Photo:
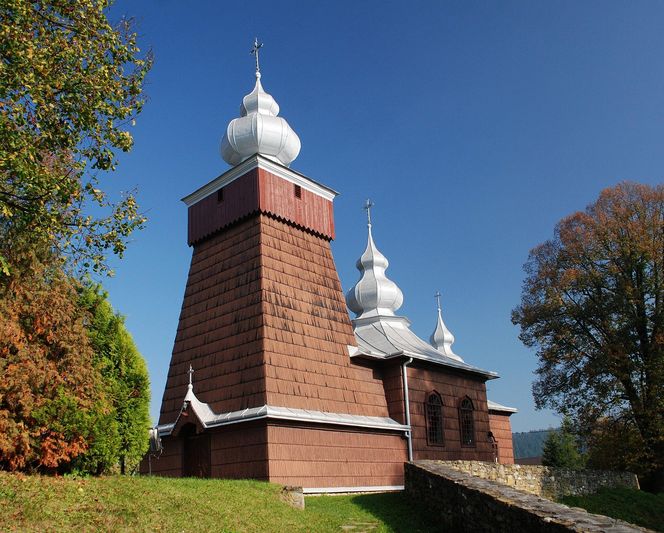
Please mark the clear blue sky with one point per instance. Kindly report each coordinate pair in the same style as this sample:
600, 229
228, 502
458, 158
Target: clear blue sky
474, 127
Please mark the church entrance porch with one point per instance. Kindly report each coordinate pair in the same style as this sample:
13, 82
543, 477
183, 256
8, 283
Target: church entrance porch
195, 452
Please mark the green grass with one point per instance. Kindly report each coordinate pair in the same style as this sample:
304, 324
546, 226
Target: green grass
36, 503
635, 506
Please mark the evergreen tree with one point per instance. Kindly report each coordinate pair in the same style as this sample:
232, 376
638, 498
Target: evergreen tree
121, 436
561, 449
50, 390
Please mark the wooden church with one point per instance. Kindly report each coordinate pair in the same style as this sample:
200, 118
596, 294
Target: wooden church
270, 378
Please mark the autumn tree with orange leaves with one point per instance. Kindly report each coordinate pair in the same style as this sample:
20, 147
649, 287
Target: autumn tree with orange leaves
593, 308
49, 391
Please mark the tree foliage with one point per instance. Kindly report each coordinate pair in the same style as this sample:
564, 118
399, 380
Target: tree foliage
49, 386
70, 86
121, 438
616, 445
593, 307
561, 448
74, 393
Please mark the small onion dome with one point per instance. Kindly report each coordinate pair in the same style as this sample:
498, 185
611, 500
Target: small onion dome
259, 131
374, 294
442, 339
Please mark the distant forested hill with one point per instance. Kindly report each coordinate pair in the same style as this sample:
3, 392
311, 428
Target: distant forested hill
529, 443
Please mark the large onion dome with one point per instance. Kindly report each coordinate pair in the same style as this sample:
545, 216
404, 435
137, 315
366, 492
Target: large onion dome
259, 131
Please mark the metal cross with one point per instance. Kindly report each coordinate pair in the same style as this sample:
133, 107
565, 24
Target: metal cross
437, 297
191, 374
367, 207
254, 51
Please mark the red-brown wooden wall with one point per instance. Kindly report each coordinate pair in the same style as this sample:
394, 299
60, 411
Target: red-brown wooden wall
452, 387
502, 431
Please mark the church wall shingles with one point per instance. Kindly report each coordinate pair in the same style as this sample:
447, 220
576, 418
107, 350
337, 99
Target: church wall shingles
502, 431
335, 457
259, 190
219, 331
393, 386
240, 451
169, 463
452, 387
240, 198
307, 329
264, 321
310, 211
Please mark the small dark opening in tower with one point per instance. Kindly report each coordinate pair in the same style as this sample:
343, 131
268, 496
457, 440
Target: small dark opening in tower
220, 195
298, 191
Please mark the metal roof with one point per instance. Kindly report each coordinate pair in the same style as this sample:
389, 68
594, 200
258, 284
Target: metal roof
209, 419
387, 337
493, 406
381, 334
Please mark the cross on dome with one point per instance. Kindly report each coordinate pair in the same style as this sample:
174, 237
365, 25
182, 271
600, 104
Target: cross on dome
254, 51
259, 130
367, 207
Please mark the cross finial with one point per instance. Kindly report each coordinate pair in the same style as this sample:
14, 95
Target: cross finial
254, 51
367, 207
437, 297
191, 374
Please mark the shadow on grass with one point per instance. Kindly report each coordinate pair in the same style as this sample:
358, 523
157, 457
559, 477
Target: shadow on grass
634, 506
399, 512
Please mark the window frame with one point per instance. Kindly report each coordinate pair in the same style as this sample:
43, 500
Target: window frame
467, 423
430, 409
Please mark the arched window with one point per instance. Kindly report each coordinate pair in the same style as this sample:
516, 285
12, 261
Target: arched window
434, 415
466, 422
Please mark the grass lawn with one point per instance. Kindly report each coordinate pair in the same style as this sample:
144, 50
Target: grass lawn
635, 506
36, 503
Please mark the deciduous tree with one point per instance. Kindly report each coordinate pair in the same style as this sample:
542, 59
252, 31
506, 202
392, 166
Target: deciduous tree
593, 307
70, 86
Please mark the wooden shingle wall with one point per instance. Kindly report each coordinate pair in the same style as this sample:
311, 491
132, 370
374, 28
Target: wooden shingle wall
335, 457
264, 321
220, 326
209, 215
393, 387
239, 451
308, 210
259, 190
452, 387
502, 431
307, 329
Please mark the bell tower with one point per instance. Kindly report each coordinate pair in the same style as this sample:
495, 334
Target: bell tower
265, 328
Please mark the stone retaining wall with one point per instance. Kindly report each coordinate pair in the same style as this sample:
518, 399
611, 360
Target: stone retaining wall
463, 502
544, 480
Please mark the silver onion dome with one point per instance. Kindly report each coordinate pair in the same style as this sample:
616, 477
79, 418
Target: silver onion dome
259, 130
374, 294
441, 338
